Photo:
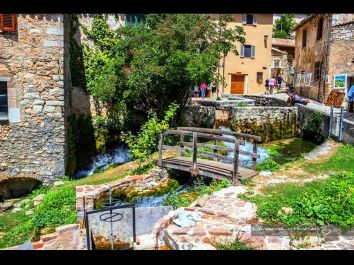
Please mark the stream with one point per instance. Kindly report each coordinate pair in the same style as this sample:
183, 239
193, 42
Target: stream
116, 156
245, 161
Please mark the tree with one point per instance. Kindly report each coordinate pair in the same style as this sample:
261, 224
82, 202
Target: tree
283, 26
149, 66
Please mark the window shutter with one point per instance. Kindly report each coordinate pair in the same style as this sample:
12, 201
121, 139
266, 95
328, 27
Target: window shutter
242, 51
244, 18
1, 18
254, 20
7, 22
253, 50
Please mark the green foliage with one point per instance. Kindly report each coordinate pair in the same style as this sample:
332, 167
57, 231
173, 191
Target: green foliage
283, 26
235, 244
341, 161
150, 66
184, 199
268, 165
145, 143
57, 208
312, 128
241, 104
81, 143
283, 153
329, 201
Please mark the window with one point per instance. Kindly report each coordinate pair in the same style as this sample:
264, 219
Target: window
304, 38
319, 29
3, 101
276, 63
247, 51
317, 72
249, 19
7, 22
259, 77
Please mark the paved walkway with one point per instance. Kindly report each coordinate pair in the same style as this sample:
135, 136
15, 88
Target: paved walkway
225, 216
348, 117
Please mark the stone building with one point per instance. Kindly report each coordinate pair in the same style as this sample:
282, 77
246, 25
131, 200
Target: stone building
324, 46
32, 106
283, 51
38, 94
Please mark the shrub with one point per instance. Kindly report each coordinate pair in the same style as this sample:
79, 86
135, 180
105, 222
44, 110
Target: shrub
145, 143
268, 165
329, 201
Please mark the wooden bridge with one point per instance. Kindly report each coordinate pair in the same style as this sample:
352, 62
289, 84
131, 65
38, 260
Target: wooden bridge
221, 166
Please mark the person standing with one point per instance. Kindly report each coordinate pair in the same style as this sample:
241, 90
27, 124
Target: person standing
280, 81
271, 84
203, 88
351, 99
266, 84
213, 88
196, 91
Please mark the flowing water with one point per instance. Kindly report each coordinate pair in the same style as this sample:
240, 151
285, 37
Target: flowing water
117, 156
245, 160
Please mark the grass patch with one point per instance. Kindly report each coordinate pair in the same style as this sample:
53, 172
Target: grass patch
284, 153
236, 244
342, 160
329, 201
58, 206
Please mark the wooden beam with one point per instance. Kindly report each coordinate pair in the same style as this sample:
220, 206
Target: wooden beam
176, 149
254, 159
207, 154
160, 149
203, 135
217, 131
236, 155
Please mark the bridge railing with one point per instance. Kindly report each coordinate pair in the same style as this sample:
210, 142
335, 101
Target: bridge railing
254, 139
210, 134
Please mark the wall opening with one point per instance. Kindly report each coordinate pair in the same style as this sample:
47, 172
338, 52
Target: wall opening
17, 187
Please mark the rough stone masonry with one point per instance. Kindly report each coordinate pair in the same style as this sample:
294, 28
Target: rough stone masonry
32, 138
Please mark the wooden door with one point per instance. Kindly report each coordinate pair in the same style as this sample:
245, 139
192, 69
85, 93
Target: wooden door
237, 84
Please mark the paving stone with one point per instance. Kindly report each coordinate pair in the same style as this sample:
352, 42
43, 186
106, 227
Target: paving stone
181, 231
220, 232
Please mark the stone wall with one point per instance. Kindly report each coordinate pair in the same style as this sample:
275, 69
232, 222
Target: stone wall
32, 142
306, 57
198, 116
341, 57
271, 123
267, 101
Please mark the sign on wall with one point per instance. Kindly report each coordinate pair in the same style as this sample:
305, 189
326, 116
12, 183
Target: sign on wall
298, 80
340, 81
308, 77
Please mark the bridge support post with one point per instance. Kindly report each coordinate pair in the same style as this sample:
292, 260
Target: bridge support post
236, 154
194, 169
160, 150
254, 159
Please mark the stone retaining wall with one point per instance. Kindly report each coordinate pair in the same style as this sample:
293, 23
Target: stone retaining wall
261, 114
88, 195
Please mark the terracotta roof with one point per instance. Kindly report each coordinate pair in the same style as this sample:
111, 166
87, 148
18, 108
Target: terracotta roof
283, 42
304, 21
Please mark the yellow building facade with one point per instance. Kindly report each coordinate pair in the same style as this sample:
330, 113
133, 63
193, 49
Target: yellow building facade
247, 72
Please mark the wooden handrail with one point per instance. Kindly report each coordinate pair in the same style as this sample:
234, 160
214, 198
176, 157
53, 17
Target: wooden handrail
204, 135
217, 131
